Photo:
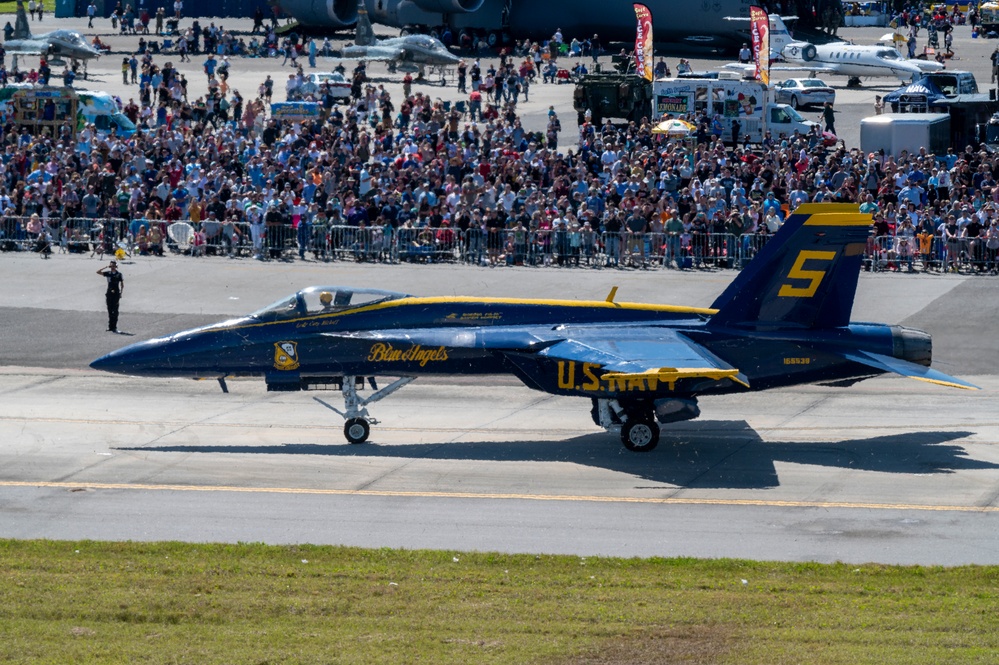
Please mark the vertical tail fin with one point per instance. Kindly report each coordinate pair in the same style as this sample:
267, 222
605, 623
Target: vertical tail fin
364, 34
780, 35
21, 29
805, 276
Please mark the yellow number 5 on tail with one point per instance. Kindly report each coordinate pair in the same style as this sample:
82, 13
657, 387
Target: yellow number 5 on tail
797, 271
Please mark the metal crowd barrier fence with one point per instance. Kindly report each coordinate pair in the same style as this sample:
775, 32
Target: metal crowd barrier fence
912, 253
514, 247
73, 234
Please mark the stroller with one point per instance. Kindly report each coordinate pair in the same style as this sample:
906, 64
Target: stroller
173, 26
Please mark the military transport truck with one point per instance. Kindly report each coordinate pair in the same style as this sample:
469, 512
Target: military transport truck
619, 94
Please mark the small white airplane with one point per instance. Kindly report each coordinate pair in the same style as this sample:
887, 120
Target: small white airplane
839, 58
845, 59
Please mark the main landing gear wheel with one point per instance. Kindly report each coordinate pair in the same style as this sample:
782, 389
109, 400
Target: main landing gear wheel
640, 435
356, 430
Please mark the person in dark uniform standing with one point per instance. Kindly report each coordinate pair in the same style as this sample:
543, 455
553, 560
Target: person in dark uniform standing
116, 287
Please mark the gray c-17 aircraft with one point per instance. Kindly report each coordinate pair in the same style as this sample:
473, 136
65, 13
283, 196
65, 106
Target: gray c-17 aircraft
56, 46
410, 53
783, 321
694, 23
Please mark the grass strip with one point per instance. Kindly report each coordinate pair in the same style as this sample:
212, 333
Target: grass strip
100, 602
11, 8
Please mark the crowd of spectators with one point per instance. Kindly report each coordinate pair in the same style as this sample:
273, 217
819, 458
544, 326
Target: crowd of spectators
383, 179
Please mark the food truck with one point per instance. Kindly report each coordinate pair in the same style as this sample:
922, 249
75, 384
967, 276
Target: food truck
726, 98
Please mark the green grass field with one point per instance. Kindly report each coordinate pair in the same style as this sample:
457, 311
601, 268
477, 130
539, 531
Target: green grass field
92, 602
11, 8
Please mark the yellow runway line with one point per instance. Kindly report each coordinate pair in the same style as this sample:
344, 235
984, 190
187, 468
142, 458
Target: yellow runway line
760, 503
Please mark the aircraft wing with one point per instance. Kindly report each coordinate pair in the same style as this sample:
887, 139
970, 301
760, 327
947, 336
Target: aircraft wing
31, 48
374, 57
825, 68
642, 352
371, 54
618, 352
907, 369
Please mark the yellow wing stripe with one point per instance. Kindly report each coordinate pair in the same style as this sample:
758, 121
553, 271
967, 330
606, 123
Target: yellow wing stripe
671, 375
839, 219
821, 208
949, 384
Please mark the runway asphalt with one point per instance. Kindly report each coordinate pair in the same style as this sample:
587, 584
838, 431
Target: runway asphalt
890, 470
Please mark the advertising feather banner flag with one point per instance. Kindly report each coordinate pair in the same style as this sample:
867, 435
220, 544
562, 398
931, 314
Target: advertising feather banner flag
643, 41
759, 22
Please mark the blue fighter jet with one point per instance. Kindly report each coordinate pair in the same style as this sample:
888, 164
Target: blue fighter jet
783, 321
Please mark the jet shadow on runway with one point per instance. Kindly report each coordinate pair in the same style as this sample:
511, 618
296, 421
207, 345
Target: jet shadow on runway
705, 454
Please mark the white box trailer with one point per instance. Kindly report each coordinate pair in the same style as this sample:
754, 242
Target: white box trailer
895, 132
726, 98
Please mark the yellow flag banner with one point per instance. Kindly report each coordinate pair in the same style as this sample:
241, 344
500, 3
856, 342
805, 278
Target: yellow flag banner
643, 41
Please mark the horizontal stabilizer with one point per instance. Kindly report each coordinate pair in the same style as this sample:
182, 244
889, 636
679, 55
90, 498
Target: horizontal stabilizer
906, 368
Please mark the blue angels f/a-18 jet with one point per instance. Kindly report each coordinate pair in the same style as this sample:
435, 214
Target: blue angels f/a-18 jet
784, 320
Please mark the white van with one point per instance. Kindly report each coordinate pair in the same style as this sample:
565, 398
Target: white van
728, 98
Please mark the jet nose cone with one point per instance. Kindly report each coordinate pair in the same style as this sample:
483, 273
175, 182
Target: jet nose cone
140, 359
117, 362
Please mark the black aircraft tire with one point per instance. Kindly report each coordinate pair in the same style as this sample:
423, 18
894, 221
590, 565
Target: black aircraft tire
640, 435
356, 430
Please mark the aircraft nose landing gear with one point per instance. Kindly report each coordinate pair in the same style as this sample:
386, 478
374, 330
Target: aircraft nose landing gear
358, 422
356, 430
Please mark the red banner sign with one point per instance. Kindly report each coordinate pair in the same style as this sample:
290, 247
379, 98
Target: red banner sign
759, 23
643, 41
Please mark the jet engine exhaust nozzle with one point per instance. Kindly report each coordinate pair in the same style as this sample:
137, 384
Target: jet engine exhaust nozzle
913, 345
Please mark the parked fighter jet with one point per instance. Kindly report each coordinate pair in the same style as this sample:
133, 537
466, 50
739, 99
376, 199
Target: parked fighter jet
411, 53
783, 321
56, 46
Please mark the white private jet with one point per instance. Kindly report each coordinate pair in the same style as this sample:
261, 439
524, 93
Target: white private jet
845, 59
840, 58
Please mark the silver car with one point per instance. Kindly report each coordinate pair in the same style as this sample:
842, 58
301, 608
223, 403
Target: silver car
800, 93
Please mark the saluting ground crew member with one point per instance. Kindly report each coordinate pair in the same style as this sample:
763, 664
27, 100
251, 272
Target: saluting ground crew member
116, 287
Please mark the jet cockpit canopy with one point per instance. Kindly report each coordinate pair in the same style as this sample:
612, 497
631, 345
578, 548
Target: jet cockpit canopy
319, 299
